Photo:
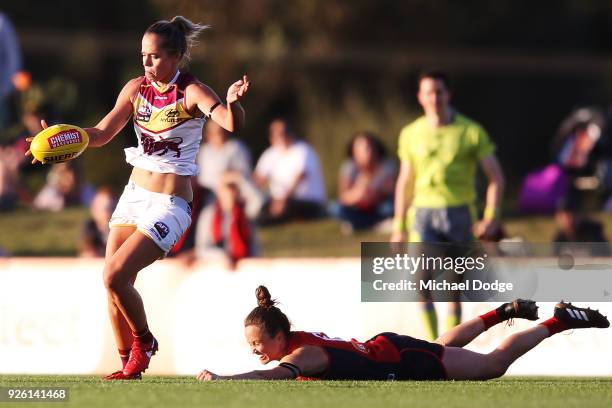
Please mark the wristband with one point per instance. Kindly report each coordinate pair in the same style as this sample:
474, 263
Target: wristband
399, 224
491, 213
295, 370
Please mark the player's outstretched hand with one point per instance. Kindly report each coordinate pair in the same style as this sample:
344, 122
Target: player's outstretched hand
238, 89
206, 375
488, 230
43, 124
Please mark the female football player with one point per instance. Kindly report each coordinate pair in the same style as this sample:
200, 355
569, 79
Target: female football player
168, 108
390, 356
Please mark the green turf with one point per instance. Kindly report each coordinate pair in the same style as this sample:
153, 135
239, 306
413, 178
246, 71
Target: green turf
520, 392
38, 233
35, 233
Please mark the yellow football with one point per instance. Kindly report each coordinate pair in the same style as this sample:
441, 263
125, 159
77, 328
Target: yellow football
59, 143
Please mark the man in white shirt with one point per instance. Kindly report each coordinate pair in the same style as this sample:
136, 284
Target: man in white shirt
291, 170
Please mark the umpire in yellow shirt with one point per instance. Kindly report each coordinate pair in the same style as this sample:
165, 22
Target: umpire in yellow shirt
435, 192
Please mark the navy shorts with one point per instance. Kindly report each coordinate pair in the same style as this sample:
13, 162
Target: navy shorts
451, 224
420, 359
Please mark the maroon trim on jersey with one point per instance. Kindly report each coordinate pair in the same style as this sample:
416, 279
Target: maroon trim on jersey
158, 99
174, 93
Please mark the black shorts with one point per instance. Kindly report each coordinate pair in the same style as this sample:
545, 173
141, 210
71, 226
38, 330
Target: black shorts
420, 359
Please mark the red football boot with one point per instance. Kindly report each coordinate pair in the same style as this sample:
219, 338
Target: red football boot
118, 375
140, 356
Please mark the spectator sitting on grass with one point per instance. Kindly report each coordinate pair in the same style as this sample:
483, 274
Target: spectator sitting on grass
291, 170
224, 229
578, 234
93, 238
219, 154
366, 184
12, 187
63, 188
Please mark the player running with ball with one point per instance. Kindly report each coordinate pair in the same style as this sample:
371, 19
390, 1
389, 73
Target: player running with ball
168, 108
390, 356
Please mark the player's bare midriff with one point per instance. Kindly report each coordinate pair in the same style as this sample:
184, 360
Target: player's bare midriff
165, 183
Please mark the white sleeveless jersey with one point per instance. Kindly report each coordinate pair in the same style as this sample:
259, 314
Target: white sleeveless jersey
168, 136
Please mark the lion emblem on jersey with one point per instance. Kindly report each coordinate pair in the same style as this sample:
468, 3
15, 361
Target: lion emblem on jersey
143, 114
161, 147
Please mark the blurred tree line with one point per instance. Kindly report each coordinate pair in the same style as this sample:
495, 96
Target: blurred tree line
335, 67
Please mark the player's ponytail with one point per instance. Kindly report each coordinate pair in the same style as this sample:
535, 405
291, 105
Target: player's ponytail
264, 299
267, 315
178, 35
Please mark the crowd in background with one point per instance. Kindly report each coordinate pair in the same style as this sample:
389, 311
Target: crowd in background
234, 198
235, 195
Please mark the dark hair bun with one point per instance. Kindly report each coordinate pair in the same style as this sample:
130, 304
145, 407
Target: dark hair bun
263, 297
182, 24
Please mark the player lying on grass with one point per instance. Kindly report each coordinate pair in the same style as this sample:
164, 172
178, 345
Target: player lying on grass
305, 355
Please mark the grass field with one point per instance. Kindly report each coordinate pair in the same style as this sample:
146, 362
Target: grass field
87, 391
30, 233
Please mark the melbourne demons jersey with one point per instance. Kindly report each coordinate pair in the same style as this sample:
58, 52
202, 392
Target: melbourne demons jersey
168, 136
376, 359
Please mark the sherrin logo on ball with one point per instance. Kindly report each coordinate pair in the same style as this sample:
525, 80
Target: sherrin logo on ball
59, 143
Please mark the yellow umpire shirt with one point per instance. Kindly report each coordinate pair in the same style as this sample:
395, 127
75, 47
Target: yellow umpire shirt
444, 160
